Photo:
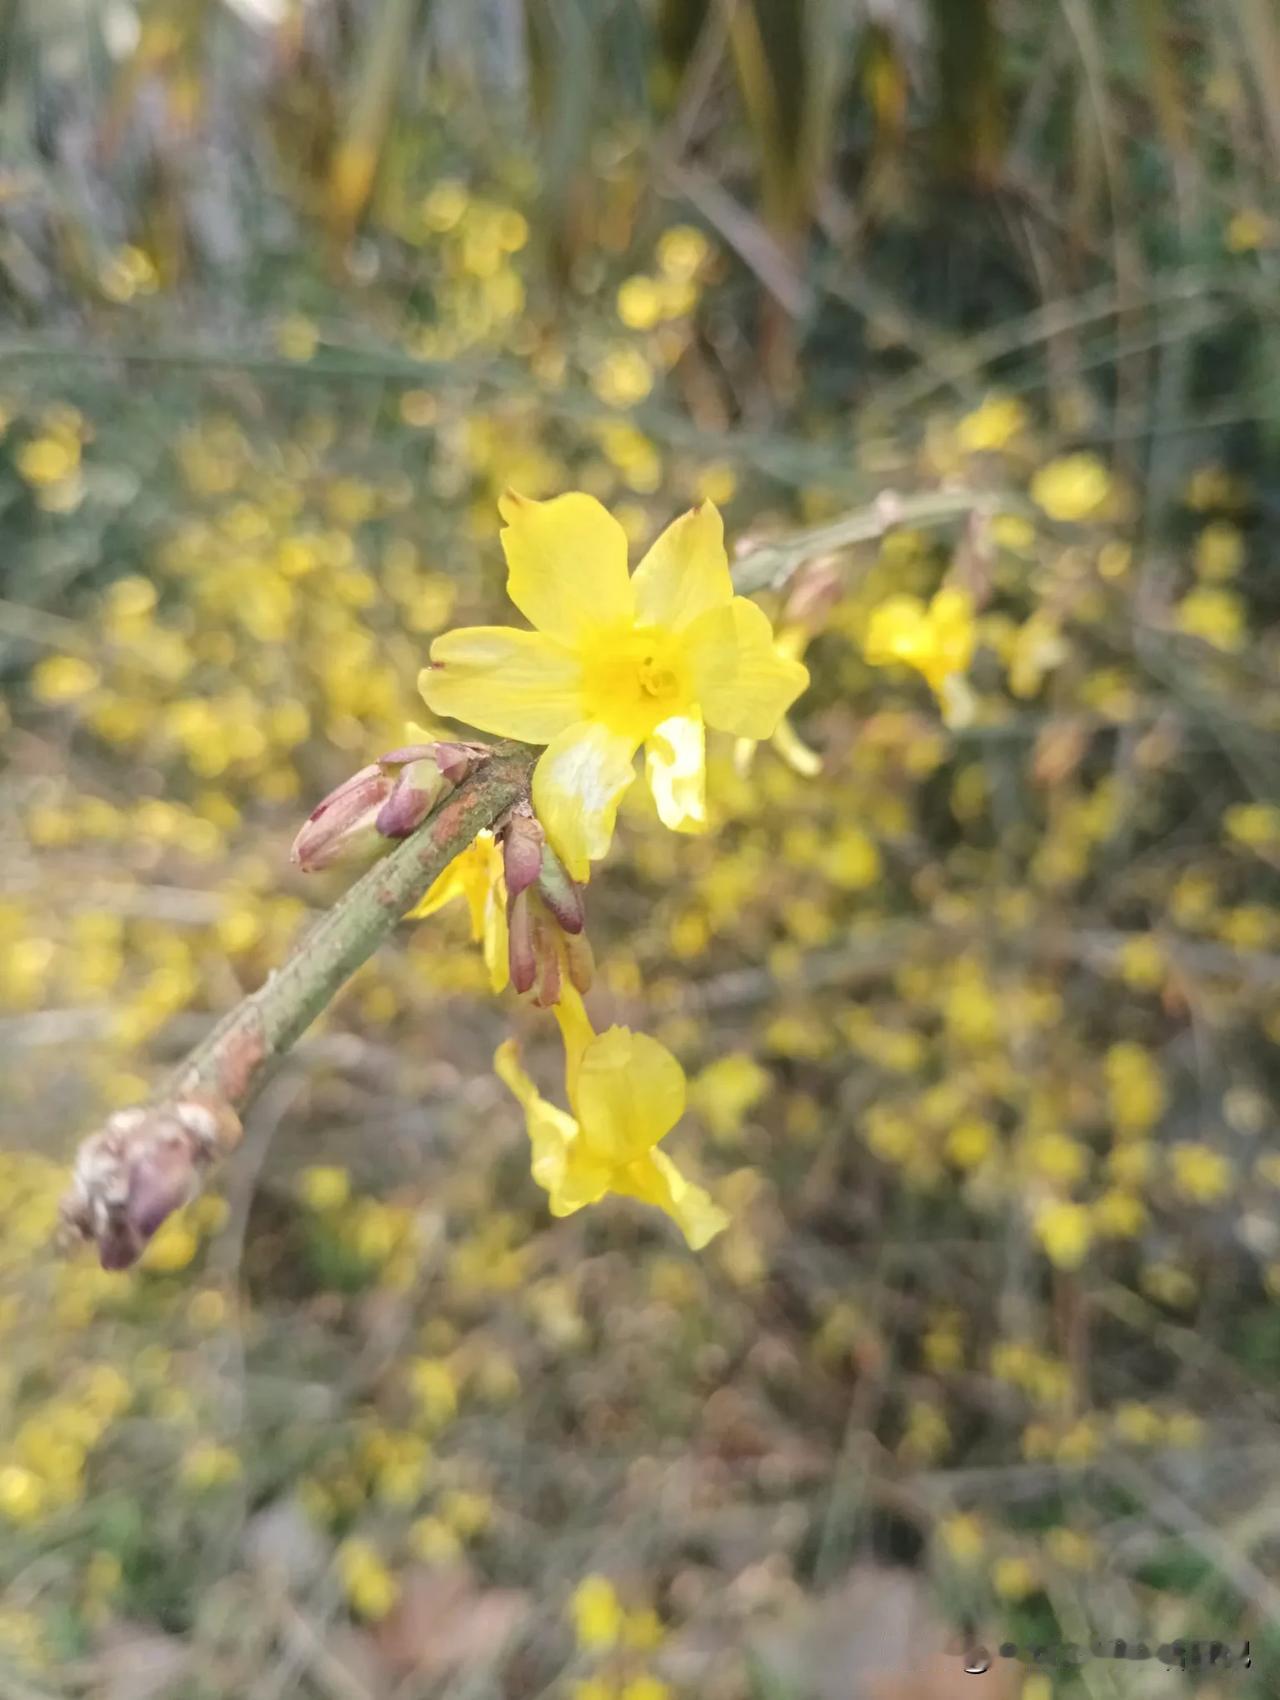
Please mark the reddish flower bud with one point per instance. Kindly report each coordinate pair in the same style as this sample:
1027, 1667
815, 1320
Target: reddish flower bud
522, 959
546, 988
562, 895
388, 799
459, 761
522, 851
345, 823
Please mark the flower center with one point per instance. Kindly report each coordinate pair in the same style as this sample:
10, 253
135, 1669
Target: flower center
657, 678
634, 678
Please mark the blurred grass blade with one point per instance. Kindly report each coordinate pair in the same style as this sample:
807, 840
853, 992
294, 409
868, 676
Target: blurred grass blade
354, 164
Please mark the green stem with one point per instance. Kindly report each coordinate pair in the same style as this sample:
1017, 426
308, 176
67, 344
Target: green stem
236, 1058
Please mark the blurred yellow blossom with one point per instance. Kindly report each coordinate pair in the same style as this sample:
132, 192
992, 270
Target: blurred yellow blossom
1072, 488
1013, 1578
1065, 1231
937, 640
991, 425
726, 1091
368, 1584
597, 1613
63, 678
1216, 616
1200, 1173
963, 1536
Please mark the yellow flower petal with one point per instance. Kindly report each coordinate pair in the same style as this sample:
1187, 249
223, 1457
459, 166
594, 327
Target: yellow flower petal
577, 786
742, 680
551, 1132
476, 875
566, 564
677, 772
686, 573
497, 955
512, 683
654, 1179
897, 631
630, 1092
576, 1031
468, 875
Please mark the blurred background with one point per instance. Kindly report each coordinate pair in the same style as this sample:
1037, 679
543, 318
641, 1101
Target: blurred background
978, 992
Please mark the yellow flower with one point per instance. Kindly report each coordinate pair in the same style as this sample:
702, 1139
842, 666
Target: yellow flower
1119, 1215
22, 1494
1246, 231
963, 1536
1065, 1232
1071, 488
1256, 825
476, 875
597, 1613
48, 460
1137, 1423
1200, 1173
1215, 616
1013, 1578
990, 426
324, 1186
937, 640
727, 1091
640, 303
63, 678
626, 1091
615, 662
207, 1465
366, 1581
1219, 551
1135, 1089
645, 1687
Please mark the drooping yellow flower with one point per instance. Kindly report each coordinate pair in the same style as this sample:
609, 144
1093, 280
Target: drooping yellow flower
615, 662
937, 640
475, 874
626, 1092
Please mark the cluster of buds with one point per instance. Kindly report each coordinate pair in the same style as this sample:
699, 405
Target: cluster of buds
545, 914
139, 1168
385, 801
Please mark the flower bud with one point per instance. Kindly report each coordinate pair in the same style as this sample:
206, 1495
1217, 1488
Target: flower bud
523, 962
541, 953
389, 799
579, 960
523, 847
562, 895
139, 1168
345, 823
418, 786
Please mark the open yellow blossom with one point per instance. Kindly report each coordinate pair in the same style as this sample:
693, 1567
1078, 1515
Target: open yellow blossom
476, 875
616, 661
627, 1092
936, 640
